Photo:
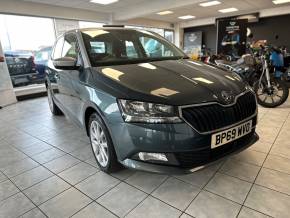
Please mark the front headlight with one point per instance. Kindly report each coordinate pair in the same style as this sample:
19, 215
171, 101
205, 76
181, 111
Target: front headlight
144, 112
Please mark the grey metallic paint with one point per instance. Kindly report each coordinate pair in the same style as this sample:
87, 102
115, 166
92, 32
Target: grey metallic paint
76, 91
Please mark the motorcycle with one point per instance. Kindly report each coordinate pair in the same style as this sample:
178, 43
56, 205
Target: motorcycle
260, 71
271, 88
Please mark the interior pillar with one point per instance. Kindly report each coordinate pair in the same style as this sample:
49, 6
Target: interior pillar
7, 95
178, 35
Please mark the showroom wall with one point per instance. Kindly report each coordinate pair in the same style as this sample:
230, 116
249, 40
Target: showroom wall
266, 28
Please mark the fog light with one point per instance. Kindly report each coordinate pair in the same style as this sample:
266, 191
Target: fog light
152, 156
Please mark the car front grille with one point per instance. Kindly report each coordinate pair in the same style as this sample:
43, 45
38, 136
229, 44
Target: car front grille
205, 156
207, 118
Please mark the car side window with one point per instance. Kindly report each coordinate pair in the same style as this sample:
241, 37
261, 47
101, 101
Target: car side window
70, 47
58, 49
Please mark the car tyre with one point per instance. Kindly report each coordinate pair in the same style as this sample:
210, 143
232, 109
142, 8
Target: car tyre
53, 107
102, 146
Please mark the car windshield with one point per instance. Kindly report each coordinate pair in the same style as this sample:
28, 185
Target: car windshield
115, 46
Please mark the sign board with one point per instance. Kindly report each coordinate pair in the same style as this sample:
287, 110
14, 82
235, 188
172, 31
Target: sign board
193, 43
232, 37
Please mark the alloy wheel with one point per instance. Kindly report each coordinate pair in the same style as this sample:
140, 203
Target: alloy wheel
270, 95
99, 143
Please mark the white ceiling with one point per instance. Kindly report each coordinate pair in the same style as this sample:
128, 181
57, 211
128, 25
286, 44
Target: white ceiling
244, 6
87, 5
131, 9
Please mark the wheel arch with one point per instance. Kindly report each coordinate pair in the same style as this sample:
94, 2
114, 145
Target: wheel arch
91, 108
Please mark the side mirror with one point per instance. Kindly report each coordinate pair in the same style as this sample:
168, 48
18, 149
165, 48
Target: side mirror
65, 63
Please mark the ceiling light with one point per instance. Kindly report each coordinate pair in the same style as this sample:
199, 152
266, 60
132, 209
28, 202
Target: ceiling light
228, 10
186, 17
277, 2
165, 12
104, 2
210, 3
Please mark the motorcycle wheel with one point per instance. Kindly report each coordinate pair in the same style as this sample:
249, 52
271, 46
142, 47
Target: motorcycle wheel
273, 97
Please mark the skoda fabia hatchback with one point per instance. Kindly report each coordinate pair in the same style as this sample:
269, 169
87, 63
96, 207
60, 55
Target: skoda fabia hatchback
144, 104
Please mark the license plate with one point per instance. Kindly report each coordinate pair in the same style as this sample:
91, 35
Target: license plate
229, 135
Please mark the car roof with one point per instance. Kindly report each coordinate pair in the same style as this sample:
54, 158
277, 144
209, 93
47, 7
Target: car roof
105, 28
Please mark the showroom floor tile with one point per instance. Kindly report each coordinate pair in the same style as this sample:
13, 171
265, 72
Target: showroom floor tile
47, 169
207, 204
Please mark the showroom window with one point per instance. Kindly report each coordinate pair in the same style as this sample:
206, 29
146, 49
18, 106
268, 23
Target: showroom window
86, 24
155, 30
169, 35
26, 47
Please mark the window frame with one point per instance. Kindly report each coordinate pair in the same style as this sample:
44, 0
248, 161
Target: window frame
54, 47
79, 59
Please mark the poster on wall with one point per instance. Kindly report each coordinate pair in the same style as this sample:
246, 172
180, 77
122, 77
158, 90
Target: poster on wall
232, 37
193, 44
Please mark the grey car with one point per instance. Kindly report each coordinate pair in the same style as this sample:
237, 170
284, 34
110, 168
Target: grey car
144, 104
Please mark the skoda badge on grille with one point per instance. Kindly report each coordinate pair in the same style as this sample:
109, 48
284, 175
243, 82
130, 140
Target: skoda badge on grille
227, 97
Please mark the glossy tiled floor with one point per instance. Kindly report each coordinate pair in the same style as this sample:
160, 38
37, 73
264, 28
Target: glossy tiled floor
47, 169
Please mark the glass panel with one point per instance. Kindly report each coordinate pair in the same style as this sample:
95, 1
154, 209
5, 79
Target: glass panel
155, 48
169, 35
70, 47
114, 46
27, 44
155, 30
98, 47
85, 24
130, 50
58, 49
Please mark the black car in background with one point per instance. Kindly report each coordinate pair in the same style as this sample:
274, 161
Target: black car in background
21, 67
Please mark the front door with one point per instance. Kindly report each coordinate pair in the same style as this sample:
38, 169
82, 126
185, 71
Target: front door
59, 79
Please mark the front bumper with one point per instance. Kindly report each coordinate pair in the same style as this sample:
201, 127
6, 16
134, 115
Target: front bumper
175, 170
187, 149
